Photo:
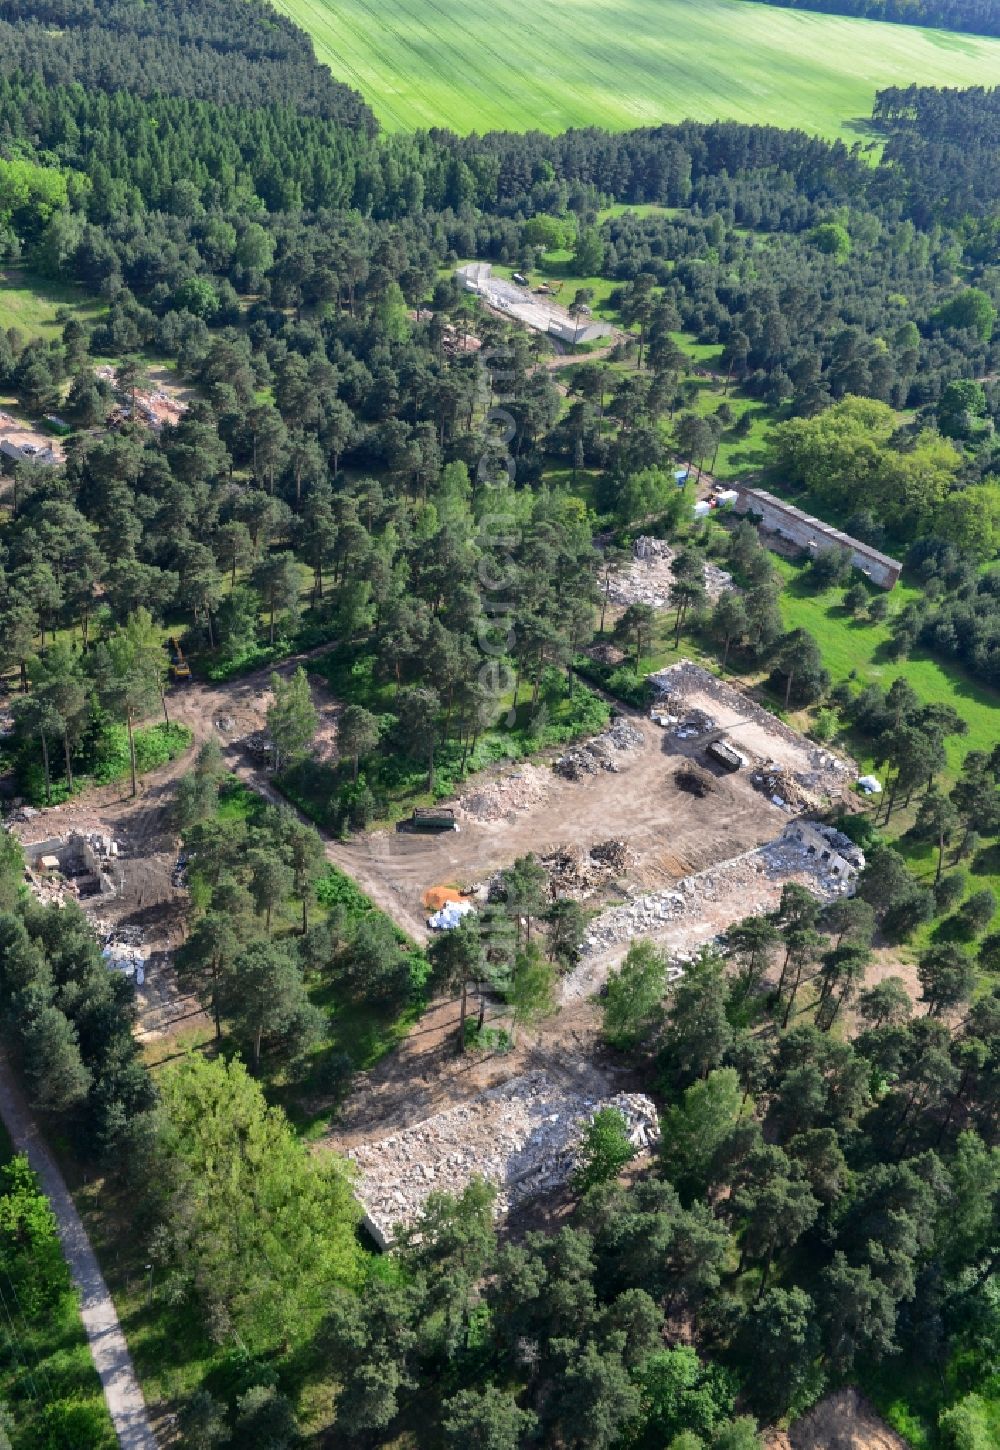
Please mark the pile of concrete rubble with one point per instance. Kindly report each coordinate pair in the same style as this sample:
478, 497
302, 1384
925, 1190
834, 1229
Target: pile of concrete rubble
77, 865
523, 1137
648, 577
784, 788
600, 753
688, 725
259, 746
578, 873
501, 797
20, 814
605, 653
121, 949
818, 855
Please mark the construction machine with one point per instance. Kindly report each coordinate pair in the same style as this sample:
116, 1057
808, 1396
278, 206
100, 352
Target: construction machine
179, 667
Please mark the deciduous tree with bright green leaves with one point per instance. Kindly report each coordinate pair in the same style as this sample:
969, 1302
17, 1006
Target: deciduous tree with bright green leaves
257, 1229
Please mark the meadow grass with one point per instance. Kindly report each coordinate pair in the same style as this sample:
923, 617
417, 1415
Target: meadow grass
858, 649
30, 303
472, 65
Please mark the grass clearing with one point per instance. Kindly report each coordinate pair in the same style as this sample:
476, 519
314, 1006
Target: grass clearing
858, 649
737, 457
473, 66
638, 209
30, 303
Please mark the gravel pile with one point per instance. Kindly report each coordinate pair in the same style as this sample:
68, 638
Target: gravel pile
522, 1136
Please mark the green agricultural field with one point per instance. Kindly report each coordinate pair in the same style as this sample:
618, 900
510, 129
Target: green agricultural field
474, 65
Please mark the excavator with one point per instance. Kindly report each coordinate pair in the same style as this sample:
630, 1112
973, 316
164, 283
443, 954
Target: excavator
179, 667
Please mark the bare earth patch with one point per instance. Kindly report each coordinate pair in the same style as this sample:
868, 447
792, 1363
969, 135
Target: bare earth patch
844, 1420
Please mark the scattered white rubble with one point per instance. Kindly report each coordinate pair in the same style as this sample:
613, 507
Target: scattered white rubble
121, 949
688, 725
130, 963
694, 909
523, 1137
501, 797
648, 577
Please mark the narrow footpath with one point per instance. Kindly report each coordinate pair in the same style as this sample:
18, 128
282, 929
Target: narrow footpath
100, 1319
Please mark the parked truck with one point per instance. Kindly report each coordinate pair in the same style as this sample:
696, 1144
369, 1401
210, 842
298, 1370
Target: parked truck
723, 754
438, 818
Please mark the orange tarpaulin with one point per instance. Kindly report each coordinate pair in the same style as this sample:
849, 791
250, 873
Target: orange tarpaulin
437, 896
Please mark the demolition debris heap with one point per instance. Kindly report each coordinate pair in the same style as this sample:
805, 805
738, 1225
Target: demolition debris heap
81, 864
523, 1137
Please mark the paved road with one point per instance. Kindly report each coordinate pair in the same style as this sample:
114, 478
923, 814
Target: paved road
100, 1320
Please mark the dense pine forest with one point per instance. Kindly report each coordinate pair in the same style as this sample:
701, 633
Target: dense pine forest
976, 17
202, 50
825, 1206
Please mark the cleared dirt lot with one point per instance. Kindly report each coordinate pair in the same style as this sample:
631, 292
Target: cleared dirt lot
149, 906
670, 832
17, 429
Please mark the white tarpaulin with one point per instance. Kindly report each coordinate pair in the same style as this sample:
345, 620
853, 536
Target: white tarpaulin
450, 915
